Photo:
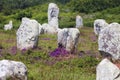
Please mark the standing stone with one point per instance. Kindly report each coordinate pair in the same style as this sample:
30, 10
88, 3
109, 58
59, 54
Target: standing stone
79, 22
106, 70
27, 34
8, 26
109, 41
41, 31
48, 29
99, 24
68, 38
109, 47
53, 12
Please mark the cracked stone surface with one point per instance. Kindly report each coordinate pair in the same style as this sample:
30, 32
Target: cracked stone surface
53, 12
99, 24
27, 34
106, 70
68, 38
109, 40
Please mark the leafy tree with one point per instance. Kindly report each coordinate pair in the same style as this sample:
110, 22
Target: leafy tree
92, 5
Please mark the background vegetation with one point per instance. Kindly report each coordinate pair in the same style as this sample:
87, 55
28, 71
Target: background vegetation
37, 9
79, 66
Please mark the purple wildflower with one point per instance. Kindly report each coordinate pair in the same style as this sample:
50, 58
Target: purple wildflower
60, 51
23, 50
13, 50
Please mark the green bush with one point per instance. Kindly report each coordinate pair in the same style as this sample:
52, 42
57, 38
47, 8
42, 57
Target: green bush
67, 20
41, 18
88, 6
2, 21
22, 14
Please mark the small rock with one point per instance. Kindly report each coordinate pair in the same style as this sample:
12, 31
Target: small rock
8, 26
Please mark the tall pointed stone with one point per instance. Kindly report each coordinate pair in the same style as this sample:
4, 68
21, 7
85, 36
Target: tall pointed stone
53, 12
79, 22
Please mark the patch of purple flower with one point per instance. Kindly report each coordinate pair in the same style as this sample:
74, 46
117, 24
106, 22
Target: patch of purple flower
60, 51
23, 50
13, 50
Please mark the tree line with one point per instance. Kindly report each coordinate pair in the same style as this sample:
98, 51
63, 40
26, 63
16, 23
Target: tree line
21, 4
84, 6
90, 6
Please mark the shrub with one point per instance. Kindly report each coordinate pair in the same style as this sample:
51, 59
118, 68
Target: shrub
60, 51
41, 18
88, 6
23, 14
67, 20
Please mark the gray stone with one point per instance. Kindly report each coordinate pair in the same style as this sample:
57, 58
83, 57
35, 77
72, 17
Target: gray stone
68, 38
109, 40
99, 24
79, 22
106, 70
27, 34
8, 26
41, 30
53, 12
48, 29
13, 69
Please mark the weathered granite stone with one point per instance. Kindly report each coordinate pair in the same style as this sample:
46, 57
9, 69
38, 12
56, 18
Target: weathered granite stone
106, 70
27, 34
41, 30
109, 40
12, 69
79, 22
8, 26
48, 29
53, 12
99, 24
68, 38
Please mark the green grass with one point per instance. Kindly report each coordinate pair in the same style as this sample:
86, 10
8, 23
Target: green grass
40, 65
43, 67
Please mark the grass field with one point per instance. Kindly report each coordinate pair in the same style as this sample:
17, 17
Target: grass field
78, 66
